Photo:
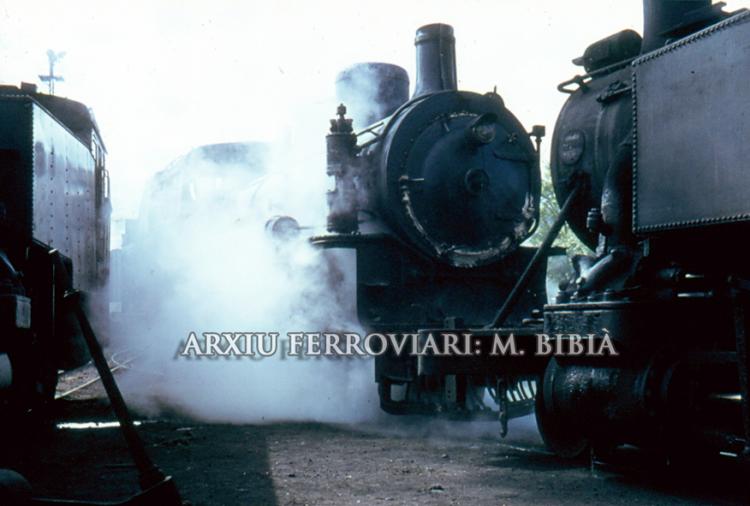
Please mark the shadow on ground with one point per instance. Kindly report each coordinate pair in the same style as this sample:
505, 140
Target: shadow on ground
415, 461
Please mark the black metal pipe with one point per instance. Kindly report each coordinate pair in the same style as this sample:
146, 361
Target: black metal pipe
659, 16
436, 59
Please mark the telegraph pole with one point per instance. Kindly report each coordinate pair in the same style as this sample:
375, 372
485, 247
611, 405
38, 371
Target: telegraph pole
51, 77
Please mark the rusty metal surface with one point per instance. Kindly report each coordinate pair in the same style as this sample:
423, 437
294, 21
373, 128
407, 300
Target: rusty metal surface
690, 98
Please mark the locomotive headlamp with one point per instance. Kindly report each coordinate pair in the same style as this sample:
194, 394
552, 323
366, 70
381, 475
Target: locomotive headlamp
283, 227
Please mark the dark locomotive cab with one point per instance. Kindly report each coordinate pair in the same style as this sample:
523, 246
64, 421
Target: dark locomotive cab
54, 222
435, 193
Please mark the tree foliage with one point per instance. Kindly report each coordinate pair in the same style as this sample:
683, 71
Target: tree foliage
559, 268
548, 212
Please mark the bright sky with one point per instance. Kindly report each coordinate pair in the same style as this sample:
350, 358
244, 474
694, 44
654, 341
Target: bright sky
164, 76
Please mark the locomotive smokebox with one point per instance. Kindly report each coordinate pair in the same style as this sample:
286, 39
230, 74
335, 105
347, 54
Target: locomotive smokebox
660, 17
372, 91
436, 59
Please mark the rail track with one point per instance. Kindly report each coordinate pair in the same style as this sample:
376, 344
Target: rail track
77, 380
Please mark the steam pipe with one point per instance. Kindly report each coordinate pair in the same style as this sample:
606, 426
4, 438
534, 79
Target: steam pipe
661, 15
436, 59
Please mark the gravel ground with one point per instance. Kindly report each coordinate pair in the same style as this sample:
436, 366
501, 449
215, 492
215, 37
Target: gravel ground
398, 461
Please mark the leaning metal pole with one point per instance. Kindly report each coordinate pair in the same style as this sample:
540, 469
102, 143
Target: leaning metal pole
155, 486
540, 255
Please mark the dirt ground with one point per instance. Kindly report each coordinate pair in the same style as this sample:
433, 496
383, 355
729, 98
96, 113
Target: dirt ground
398, 461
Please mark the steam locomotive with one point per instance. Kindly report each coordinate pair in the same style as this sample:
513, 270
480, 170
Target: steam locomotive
648, 167
650, 142
436, 198
54, 221
190, 186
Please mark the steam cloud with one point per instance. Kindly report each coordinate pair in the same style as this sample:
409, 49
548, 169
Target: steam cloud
200, 260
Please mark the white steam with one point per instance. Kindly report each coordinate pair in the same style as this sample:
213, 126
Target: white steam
200, 260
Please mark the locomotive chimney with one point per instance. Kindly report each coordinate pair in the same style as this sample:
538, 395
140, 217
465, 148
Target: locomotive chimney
659, 16
436, 59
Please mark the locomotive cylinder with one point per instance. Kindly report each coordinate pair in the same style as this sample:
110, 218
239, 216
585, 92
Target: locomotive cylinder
436, 59
645, 402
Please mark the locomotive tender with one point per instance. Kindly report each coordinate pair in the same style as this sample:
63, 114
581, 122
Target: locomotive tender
54, 221
648, 165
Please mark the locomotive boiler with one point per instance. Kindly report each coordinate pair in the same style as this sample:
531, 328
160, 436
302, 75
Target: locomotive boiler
436, 193
651, 144
54, 222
